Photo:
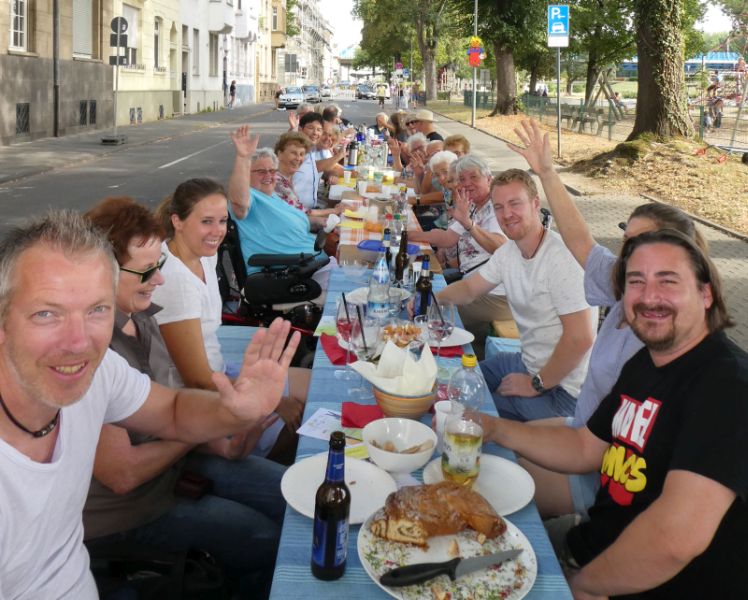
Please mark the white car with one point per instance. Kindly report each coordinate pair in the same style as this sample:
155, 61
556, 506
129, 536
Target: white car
291, 98
325, 92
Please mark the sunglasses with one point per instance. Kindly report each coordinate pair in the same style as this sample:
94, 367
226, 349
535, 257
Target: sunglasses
264, 172
148, 273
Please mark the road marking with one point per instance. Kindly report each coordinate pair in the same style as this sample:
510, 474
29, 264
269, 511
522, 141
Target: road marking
179, 160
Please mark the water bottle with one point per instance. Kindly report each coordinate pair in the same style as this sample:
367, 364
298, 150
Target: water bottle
466, 384
378, 305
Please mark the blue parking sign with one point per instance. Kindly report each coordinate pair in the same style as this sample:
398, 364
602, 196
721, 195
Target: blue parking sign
558, 25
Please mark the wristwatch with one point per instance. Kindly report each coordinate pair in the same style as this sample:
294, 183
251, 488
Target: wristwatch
537, 383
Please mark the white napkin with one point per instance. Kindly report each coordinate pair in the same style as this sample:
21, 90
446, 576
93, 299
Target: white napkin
398, 373
332, 222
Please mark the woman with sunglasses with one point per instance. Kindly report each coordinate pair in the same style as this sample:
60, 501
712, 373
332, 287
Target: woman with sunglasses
134, 494
195, 219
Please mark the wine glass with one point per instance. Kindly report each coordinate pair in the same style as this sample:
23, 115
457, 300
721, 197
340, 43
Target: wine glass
353, 269
365, 333
343, 321
441, 323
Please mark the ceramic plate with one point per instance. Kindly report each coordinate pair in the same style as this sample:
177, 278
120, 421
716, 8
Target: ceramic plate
369, 485
458, 337
511, 579
361, 296
506, 485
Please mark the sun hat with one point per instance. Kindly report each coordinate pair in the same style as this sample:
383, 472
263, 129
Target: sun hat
424, 115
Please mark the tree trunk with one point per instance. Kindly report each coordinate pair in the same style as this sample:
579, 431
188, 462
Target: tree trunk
506, 86
429, 72
661, 105
593, 70
533, 79
570, 76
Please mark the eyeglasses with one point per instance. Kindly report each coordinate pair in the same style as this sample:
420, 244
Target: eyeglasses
413, 122
264, 172
148, 273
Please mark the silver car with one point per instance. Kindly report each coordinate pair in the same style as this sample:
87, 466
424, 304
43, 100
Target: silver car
291, 98
311, 93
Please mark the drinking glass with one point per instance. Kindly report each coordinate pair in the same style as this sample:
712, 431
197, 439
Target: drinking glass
441, 323
353, 269
344, 317
395, 302
365, 333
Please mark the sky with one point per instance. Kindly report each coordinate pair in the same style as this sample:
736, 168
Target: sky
338, 14
348, 30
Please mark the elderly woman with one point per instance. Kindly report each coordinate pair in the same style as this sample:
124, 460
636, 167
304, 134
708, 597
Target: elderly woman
404, 154
135, 477
194, 219
382, 127
458, 144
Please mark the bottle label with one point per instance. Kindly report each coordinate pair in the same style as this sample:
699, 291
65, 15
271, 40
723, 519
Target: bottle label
326, 534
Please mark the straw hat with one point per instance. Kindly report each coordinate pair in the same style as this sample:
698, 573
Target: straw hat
424, 115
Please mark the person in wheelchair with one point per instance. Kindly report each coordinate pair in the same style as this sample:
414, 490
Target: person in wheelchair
152, 491
194, 219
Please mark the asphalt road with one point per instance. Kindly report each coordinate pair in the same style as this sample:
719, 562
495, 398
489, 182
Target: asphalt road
150, 171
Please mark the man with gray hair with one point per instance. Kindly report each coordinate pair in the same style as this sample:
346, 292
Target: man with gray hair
59, 383
475, 232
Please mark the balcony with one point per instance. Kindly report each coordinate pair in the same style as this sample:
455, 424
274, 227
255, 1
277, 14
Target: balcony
245, 26
278, 39
220, 16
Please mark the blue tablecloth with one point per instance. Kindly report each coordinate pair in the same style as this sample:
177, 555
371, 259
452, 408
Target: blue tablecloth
293, 578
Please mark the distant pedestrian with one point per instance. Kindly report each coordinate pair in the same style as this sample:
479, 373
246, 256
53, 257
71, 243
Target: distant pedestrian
232, 93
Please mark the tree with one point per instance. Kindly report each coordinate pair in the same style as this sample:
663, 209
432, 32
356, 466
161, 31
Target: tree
737, 10
381, 43
661, 97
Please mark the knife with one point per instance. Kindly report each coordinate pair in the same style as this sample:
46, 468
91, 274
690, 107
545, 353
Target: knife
457, 567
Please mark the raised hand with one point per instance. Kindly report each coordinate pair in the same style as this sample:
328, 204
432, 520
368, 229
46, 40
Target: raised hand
293, 121
461, 207
257, 390
245, 144
537, 150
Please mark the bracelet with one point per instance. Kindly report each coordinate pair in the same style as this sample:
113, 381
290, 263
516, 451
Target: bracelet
472, 224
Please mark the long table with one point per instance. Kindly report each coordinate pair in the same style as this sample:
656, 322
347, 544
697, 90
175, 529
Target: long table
293, 578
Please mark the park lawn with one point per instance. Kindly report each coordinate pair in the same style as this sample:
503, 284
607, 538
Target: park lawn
684, 173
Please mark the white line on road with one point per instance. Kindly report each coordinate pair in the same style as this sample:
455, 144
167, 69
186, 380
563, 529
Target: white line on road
179, 160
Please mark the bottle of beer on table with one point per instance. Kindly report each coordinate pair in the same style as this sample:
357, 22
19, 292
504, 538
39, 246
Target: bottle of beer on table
401, 260
387, 241
331, 510
423, 289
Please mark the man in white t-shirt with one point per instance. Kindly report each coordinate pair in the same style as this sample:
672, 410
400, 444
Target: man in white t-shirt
545, 291
59, 384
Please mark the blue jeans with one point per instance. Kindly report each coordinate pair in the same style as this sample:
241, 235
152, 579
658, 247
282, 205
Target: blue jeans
556, 402
238, 522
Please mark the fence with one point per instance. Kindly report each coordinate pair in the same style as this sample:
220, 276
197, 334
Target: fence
712, 126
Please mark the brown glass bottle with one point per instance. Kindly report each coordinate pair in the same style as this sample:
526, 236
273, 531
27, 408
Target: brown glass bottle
423, 289
331, 511
402, 260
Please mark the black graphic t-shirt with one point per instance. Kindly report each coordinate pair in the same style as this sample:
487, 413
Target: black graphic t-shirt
692, 415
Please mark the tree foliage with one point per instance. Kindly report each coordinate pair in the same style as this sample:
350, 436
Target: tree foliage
292, 19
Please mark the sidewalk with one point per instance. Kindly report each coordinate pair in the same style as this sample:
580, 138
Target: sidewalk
604, 211
32, 158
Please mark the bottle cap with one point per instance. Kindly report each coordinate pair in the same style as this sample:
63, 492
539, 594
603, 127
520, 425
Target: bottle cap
469, 360
388, 217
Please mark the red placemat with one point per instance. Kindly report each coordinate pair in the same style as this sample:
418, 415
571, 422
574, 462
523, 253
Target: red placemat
449, 352
334, 352
359, 415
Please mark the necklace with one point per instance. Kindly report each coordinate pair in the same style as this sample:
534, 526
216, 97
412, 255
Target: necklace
534, 252
46, 430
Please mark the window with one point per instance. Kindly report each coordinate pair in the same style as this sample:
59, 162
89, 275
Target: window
19, 24
157, 43
196, 52
213, 55
132, 16
83, 28
275, 18
185, 37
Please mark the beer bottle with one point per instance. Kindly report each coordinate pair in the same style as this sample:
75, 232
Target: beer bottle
387, 243
401, 260
423, 289
331, 510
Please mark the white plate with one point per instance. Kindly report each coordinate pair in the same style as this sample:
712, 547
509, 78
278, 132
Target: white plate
369, 485
458, 337
506, 485
361, 295
345, 346
378, 556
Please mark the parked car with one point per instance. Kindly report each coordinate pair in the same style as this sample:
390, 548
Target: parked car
325, 92
311, 93
291, 98
364, 92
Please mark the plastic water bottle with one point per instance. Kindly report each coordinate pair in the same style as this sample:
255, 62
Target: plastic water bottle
379, 290
466, 384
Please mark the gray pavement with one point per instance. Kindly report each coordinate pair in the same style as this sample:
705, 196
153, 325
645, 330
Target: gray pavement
602, 210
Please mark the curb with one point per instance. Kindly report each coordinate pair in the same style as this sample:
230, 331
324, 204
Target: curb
731, 232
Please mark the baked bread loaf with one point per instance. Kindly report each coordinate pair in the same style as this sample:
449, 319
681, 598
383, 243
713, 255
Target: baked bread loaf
415, 513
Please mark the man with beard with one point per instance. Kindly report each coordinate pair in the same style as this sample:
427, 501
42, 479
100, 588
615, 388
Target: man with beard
59, 384
545, 291
670, 519
473, 229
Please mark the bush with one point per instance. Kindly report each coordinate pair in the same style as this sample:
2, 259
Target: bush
578, 88
442, 95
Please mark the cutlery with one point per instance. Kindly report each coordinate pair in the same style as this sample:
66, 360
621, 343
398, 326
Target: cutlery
457, 567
